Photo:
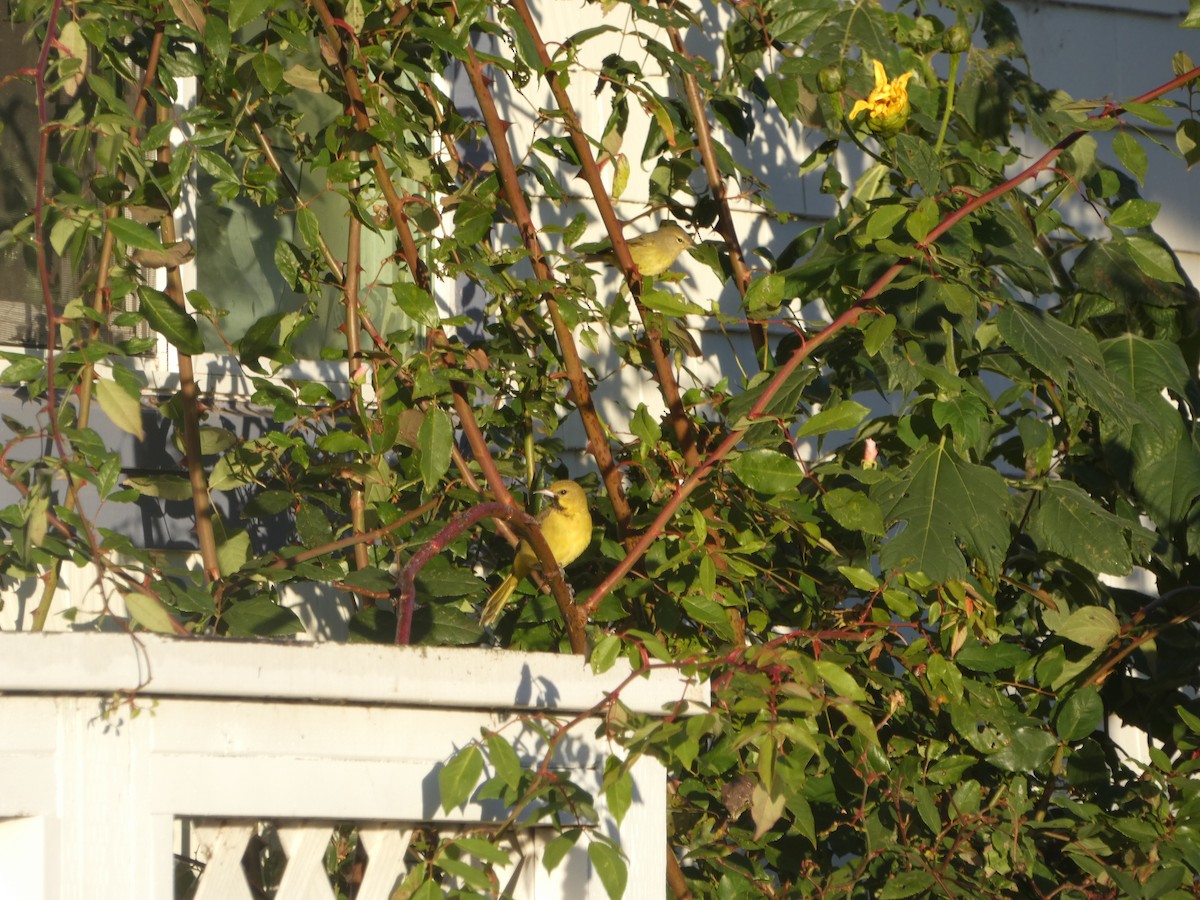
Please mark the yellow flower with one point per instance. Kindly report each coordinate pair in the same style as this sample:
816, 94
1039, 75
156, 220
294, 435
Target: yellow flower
887, 105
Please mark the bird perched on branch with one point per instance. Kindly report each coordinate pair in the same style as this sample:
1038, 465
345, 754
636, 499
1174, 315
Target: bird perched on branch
566, 524
652, 253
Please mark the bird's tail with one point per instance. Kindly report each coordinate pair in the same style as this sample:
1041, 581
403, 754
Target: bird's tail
495, 603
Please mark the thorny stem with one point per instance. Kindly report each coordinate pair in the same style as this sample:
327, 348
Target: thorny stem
511, 186
362, 121
681, 423
716, 186
190, 395
355, 372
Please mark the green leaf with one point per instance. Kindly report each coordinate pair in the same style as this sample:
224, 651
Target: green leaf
1146, 366
268, 70
965, 414
1091, 626
134, 234
644, 426
906, 884
150, 613
1154, 260
165, 317
1067, 522
943, 500
1028, 750
854, 511
233, 552
461, 869
457, 779
243, 11
1147, 112
504, 760
441, 577
1107, 269
765, 295
168, 487
839, 417
1192, 19
950, 769
26, 368
1166, 474
122, 405
416, 303
1070, 356
1187, 140
482, 849
1080, 714
884, 220
669, 303
923, 219
927, 809
708, 612
606, 860
618, 788
443, 624
312, 525
877, 333
1132, 155
990, 658
1046, 342
427, 889
765, 810
917, 161
1134, 214
558, 847
342, 442
261, 617
860, 578
605, 653
840, 681
435, 441
767, 471
472, 221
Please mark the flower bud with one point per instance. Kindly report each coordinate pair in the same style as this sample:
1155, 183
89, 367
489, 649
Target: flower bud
924, 31
870, 455
956, 40
831, 79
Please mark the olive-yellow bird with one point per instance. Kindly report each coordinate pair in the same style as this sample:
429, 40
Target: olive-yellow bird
566, 524
652, 253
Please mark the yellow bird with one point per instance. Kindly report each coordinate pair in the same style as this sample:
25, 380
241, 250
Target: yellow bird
652, 253
567, 526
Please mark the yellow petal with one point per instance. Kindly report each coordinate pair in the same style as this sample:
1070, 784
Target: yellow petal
880, 75
860, 106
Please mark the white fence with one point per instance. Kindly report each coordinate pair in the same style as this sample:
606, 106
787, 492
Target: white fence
123, 759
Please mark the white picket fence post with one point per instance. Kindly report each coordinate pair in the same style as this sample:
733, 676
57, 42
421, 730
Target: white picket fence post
118, 751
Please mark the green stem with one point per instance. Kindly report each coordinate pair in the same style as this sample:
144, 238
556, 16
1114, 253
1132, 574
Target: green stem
49, 589
951, 83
